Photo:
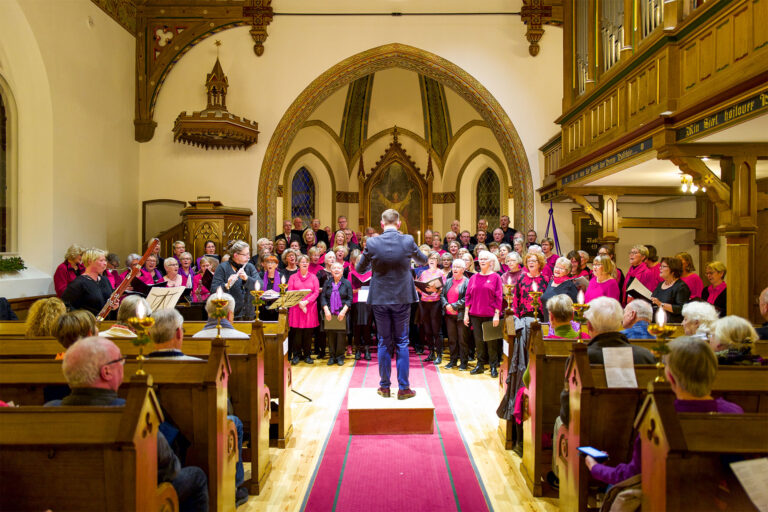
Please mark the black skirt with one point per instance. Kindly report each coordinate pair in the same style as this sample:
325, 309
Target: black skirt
361, 313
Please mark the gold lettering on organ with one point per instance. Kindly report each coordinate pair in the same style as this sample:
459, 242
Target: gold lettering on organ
710, 122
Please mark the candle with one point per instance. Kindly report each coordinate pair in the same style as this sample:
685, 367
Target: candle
580, 297
258, 285
218, 293
140, 311
282, 280
509, 281
661, 317
418, 236
534, 287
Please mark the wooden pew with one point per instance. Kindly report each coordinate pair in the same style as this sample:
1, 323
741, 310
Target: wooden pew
192, 393
278, 377
604, 417
15, 328
682, 467
84, 458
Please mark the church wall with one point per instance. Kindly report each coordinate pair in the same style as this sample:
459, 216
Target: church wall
72, 70
492, 49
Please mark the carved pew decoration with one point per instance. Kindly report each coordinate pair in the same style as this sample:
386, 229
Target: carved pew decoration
108, 463
683, 454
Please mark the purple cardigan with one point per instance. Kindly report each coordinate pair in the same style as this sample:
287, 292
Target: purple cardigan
484, 294
614, 475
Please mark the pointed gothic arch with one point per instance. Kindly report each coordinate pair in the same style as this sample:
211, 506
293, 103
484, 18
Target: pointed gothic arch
419, 61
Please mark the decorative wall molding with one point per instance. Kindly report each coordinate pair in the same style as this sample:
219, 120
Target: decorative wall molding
347, 197
443, 197
122, 11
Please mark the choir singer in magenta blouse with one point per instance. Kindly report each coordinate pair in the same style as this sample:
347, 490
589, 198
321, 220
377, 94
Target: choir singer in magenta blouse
602, 283
482, 303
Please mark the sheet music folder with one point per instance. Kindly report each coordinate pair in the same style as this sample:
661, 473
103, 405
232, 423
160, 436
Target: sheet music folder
289, 299
334, 324
637, 290
436, 283
491, 333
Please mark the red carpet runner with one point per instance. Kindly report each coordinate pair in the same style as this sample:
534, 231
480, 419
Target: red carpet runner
396, 472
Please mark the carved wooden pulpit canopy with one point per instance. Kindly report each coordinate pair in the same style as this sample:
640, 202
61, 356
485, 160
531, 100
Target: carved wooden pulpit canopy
395, 182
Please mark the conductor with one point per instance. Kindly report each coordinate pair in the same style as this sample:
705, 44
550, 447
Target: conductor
390, 296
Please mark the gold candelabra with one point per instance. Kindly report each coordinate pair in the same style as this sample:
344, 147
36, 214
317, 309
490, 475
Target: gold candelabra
141, 324
662, 333
283, 286
535, 302
508, 290
578, 315
220, 302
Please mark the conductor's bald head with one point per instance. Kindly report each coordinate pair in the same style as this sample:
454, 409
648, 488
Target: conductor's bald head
390, 217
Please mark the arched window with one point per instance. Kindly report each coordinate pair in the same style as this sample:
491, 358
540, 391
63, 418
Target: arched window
4, 200
488, 194
303, 196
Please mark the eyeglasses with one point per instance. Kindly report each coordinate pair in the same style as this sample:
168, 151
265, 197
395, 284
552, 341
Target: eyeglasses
246, 253
120, 360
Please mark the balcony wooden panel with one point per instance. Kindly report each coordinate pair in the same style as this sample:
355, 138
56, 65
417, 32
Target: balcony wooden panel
760, 30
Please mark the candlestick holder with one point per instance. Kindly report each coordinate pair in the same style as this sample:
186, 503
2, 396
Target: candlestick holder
508, 290
219, 313
140, 325
662, 333
257, 300
283, 287
578, 315
536, 303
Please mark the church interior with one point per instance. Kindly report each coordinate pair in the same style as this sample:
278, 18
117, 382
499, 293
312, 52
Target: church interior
592, 126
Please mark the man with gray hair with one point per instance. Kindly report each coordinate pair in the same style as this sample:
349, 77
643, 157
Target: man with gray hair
227, 329
168, 335
637, 315
93, 368
762, 332
604, 323
128, 309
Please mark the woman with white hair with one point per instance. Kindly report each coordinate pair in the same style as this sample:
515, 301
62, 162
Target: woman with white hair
90, 290
67, 271
483, 304
532, 278
732, 339
560, 284
699, 318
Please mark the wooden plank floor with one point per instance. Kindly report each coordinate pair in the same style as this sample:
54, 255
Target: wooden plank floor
474, 400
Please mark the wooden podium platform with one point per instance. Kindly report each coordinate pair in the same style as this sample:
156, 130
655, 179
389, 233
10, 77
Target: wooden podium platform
370, 413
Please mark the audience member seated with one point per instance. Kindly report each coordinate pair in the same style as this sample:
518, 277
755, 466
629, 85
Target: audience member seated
93, 368
67, 271
604, 323
560, 314
689, 275
690, 368
74, 325
561, 284
167, 334
715, 293
90, 290
637, 315
699, 319
762, 331
43, 317
731, 339
128, 309
238, 276
672, 293
602, 283
209, 330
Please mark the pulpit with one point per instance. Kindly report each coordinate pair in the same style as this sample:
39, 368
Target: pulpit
205, 220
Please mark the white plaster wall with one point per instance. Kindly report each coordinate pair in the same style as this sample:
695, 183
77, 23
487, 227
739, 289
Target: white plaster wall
396, 100
331, 111
73, 84
460, 111
491, 49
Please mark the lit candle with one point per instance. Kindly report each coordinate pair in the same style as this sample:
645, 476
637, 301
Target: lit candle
218, 293
509, 281
258, 285
282, 280
534, 287
140, 311
580, 297
661, 317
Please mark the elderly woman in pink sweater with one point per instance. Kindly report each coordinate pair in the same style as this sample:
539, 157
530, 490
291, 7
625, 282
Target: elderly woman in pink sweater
302, 318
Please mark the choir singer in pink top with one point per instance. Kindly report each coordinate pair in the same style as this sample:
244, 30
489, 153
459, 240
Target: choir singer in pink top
602, 283
303, 317
483, 303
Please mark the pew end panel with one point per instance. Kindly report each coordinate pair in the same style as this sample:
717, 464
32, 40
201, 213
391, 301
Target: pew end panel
685, 456
92, 458
278, 377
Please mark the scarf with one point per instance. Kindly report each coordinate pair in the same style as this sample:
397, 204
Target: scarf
559, 280
275, 283
714, 292
335, 298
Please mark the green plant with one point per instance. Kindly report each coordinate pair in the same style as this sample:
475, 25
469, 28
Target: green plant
11, 264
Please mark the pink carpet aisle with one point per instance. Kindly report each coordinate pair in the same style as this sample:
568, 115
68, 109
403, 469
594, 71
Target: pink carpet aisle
396, 472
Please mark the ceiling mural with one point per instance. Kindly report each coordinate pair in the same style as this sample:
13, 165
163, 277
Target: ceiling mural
354, 122
437, 121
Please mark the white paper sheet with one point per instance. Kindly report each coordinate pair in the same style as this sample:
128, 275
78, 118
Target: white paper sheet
362, 294
752, 474
505, 344
619, 367
285, 346
164, 298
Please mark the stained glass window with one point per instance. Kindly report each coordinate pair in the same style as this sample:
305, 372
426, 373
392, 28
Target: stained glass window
488, 196
303, 196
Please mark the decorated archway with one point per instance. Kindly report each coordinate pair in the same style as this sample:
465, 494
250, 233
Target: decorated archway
412, 59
